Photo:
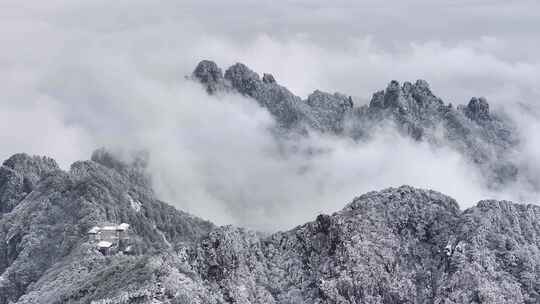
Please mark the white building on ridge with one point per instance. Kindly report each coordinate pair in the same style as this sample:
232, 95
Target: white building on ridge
111, 238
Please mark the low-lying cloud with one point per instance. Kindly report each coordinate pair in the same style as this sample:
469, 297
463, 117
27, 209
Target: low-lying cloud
77, 76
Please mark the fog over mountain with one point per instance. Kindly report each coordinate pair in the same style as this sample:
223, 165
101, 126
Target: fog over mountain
88, 74
282, 152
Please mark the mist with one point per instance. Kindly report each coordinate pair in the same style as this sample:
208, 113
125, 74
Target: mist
81, 75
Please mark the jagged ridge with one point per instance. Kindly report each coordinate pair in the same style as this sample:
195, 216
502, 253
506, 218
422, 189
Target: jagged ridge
487, 139
399, 245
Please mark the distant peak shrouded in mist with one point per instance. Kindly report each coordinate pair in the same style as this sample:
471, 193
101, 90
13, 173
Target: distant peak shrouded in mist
486, 140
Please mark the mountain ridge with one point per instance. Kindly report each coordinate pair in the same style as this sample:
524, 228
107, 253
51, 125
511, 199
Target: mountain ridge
486, 138
395, 245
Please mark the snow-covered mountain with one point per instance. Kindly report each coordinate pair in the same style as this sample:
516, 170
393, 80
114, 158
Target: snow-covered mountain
398, 245
47, 212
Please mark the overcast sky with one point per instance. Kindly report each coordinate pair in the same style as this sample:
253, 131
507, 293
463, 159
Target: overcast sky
77, 75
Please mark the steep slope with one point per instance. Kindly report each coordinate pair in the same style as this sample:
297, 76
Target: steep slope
384, 247
49, 211
399, 245
487, 139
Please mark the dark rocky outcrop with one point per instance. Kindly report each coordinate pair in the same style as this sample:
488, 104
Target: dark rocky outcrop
477, 109
268, 78
211, 75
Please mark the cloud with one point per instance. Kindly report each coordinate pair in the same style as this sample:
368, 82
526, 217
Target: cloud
79, 75
40, 130
217, 158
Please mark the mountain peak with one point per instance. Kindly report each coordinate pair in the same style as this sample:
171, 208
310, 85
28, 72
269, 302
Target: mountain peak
31, 168
477, 109
207, 70
407, 96
19, 176
423, 85
23, 162
268, 78
208, 73
242, 78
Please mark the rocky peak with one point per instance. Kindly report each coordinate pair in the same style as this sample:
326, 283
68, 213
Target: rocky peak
208, 73
29, 169
408, 87
391, 97
405, 197
327, 100
268, 78
393, 86
406, 97
243, 79
422, 85
31, 165
477, 109
327, 111
238, 76
289, 110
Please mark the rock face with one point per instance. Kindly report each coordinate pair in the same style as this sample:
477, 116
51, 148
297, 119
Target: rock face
399, 245
322, 111
477, 109
485, 138
209, 73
